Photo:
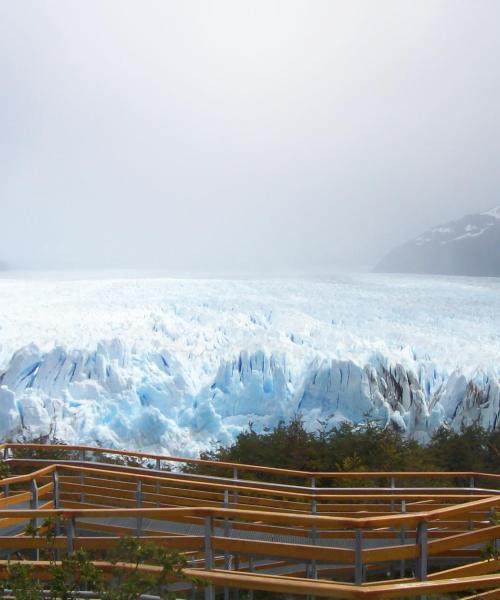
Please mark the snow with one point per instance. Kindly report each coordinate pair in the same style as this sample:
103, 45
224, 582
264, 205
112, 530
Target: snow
442, 230
174, 365
493, 212
471, 232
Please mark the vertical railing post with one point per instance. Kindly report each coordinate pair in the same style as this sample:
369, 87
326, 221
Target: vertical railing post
235, 479
34, 506
251, 569
56, 501
402, 539
70, 534
393, 485
472, 485
209, 556
158, 483
138, 501
6, 453
82, 475
358, 552
56, 490
227, 560
192, 564
237, 568
314, 538
34, 500
422, 551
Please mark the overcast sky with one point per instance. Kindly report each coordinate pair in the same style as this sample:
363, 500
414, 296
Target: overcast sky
242, 135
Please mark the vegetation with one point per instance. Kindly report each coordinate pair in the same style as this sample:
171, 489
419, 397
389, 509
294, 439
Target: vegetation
125, 580
359, 448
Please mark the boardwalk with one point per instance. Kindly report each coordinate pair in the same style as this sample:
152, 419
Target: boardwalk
387, 535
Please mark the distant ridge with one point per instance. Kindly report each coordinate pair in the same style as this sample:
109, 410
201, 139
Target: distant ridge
469, 246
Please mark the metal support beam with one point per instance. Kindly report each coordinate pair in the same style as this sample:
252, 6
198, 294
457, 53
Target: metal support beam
227, 557
402, 539
138, 501
57, 504
70, 534
251, 569
358, 550
34, 506
393, 485
236, 568
209, 556
56, 490
422, 551
158, 482
235, 478
34, 500
314, 538
82, 476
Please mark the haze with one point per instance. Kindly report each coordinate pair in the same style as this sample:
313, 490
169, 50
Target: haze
234, 135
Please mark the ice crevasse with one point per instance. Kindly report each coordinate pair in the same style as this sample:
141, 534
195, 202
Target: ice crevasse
118, 398
175, 366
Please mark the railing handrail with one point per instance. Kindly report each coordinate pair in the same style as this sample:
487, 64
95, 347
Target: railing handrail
248, 467
227, 483
393, 520
420, 534
13, 479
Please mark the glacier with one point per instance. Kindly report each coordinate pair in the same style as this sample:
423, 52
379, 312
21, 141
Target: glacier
175, 365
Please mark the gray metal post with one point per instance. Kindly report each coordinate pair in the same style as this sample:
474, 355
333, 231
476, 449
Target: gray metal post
34, 506
158, 483
34, 500
251, 569
57, 504
227, 558
311, 570
226, 528
6, 453
393, 485
314, 538
237, 568
55, 490
235, 478
82, 476
358, 567
138, 500
422, 551
209, 556
70, 534
6, 489
472, 485
402, 539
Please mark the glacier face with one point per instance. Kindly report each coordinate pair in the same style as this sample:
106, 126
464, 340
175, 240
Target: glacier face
174, 365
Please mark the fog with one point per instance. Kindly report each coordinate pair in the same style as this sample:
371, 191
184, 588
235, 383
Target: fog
253, 136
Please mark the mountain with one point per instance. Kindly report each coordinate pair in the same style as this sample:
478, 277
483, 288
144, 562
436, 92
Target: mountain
469, 247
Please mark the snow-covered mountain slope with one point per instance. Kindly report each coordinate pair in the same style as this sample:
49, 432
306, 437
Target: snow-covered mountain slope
469, 246
174, 365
